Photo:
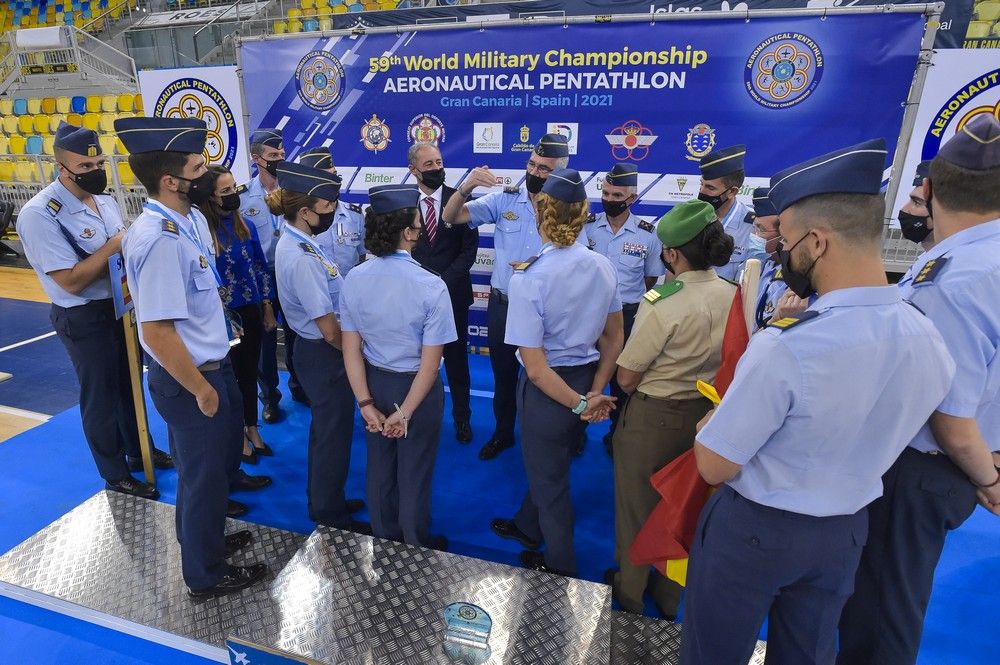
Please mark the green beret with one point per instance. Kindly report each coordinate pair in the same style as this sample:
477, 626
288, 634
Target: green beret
679, 226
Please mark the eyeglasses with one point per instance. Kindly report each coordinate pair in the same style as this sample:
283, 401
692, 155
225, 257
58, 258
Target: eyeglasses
541, 168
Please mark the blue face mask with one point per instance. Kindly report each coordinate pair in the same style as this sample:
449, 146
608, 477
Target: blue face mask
757, 248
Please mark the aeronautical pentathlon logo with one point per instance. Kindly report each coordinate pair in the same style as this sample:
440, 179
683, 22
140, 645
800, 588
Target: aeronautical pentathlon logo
426, 128
375, 134
194, 98
630, 141
319, 78
979, 96
700, 141
783, 70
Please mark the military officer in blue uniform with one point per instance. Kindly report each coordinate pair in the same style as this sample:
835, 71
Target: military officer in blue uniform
69, 231
267, 150
396, 318
515, 239
344, 240
915, 221
633, 248
933, 486
820, 406
722, 177
184, 329
565, 320
310, 282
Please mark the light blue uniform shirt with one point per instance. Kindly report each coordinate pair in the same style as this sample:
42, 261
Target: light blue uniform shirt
309, 283
171, 279
344, 242
634, 252
253, 207
48, 250
516, 237
561, 302
398, 308
962, 302
819, 411
736, 226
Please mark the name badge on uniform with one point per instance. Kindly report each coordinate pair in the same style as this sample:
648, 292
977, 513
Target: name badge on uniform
635, 249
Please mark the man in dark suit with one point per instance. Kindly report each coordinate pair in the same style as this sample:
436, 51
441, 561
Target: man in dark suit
449, 251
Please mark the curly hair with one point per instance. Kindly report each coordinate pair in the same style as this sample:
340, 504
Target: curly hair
561, 222
287, 204
382, 232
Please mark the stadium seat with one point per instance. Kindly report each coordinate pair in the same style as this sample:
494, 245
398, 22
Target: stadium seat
25, 171
294, 13
280, 27
988, 11
75, 119
63, 105
387, 4
26, 124
355, 8
48, 105
107, 144
310, 25
49, 169
33, 146
308, 4
34, 106
340, 9
78, 104
294, 26
10, 125
125, 174
20, 106
126, 103
6, 171
92, 121
49, 145
93, 103
107, 122
324, 3
325, 24
4, 145
120, 147
996, 30
16, 145
137, 103
54, 121
41, 122
6, 106
109, 103
308, 13
371, 5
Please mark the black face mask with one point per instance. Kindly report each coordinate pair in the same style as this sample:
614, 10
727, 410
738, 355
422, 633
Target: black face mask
230, 202
914, 227
200, 189
799, 282
433, 178
271, 166
92, 182
533, 183
714, 201
614, 208
324, 221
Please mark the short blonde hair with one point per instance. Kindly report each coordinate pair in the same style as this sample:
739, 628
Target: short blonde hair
560, 221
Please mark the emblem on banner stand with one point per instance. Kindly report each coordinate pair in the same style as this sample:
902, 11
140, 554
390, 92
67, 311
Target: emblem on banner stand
375, 134
319, 78
426, 128
630, 141
783, 70
195, 98
699, 142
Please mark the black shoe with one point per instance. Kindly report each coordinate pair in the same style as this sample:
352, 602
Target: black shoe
507, 529
263, 450
161, 460
130, 485
237, 541
607, 443
237, 579
236, 509
272, 413
299, 395
246, 482
439, 543
463, 431
493, 448
609, 579
355, 505
357, 526
251, 458
534, 561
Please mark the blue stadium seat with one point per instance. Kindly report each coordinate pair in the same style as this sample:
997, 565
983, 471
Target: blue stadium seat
35, 145
310, 25
79, 104
356, 7
20, 106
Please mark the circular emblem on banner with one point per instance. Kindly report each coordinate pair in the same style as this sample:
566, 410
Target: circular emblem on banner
630, 141
783, 70
700, 141
426, 128
375, 134
194, 98
319, 78
976, 97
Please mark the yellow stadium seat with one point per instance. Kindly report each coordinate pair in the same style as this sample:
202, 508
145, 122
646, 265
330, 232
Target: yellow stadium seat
6, 171
34, 105
340, 9
988, 11
996, 30
4, 145
107, 144
295, 26
48, 105
126, 103
120, 147
10, 124
977, 29
125, 174
6, 106
107, 122
54, 120
325, 24
137, 104
371, 5
25, 171
308, 4
63, 104
109, 103
49, 169
93, 103
49, 145
16, 145
322, 3
42, 124
294, 13
309, 13
388, 4
280, 27
26, 124
75, 119
324, 12
92, 121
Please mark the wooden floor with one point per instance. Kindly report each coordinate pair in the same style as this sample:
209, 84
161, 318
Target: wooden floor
18, 284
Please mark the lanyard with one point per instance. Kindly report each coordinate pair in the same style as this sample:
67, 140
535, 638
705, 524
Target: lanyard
330, 266
192, 235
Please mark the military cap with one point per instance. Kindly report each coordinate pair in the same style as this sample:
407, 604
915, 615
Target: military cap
565, 185
304, 179
722, 162
390, 198
552, 145
976, 146
623, 175
762, 203
683, 222
267, 136
923, 169
78, 140
856, 169
140, 135
318, 158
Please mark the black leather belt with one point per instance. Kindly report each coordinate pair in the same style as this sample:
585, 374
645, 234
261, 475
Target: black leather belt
210, 366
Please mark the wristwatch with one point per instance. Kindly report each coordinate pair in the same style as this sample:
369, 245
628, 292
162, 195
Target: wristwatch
582, 406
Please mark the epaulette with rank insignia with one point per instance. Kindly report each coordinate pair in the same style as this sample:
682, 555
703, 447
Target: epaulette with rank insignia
591, 219
241, 189
778, 276
930, 271
307, 248
511, 189
524, 265
354, 207
54, 206
665, 290
646, 226
792, 321
750, 218
170, 227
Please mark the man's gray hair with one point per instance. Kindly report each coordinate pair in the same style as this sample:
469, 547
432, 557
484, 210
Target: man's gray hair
411, 154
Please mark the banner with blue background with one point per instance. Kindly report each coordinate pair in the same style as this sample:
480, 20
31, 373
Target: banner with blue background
660, 95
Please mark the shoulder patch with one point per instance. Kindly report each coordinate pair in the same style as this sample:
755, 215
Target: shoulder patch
512, 189
930, 271
524, 265
354, 207
792, 321
591, 219
241, 189
663, 291
54, 206
778, 276
750, 218
170, 227
646, 226
307, 248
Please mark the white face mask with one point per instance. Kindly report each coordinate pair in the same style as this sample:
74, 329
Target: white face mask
756, 246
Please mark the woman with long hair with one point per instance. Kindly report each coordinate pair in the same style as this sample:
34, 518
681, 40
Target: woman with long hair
565, 318
247, 290
397, 317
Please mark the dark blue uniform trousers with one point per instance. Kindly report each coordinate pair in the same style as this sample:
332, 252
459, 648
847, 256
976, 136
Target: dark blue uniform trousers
95, 341
321, 371
505, 367
267, 372
750, 561
204, 450
629, 310
549, 433
400, 470
925, 497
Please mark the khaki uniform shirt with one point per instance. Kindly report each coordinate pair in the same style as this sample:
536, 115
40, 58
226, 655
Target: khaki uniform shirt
678, 340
